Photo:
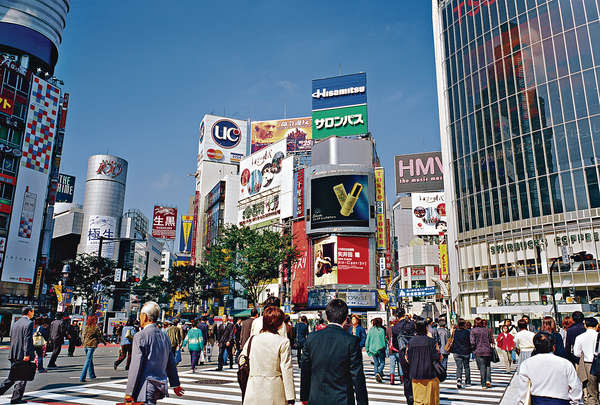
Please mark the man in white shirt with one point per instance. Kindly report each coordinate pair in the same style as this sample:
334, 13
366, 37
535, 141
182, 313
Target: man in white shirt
257, 324
523, 342
586, 345
552, 378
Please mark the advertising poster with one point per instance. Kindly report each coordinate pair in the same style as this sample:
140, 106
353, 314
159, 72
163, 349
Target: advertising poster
296, 131
32, 184
222, 139
299, 194
339, 91
380, 208
106, 227
262, 170
185, 235
164, 222
429, 213
300, 269
419, 172
344, 121
444, 259
194, 228
341, 260
341, 200
65, 189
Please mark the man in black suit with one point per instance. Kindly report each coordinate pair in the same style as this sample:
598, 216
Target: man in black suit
21, 348
225, 337
332, 367
57, 338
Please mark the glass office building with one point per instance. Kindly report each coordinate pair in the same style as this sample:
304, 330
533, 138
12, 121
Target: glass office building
519, 108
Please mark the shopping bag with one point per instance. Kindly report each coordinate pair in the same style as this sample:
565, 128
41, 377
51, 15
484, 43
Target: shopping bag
202, 356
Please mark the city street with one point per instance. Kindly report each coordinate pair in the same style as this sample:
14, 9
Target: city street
208, 386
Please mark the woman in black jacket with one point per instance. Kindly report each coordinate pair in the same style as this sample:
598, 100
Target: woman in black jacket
422, 352
461, 349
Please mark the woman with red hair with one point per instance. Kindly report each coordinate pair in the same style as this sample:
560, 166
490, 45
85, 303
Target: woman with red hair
271, 379
91, 338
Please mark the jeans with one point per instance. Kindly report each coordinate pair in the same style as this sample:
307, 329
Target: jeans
195, 356
485, 369
379, 360
408, 390
39, 351
124, 352
462, 362
88, 366
395, 361
444, 361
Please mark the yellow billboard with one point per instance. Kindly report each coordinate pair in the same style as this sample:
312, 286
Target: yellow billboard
297, 131
444, 259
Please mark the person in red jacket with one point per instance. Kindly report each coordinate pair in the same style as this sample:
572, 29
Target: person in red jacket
506, 344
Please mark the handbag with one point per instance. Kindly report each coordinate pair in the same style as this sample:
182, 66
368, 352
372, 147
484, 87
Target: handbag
595, 368
21, 370
440, 371
128, 334
38, 339
495, 358
243, 372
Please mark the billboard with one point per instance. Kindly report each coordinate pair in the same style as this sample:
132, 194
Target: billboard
214, 195
340, 200
300, 269
185, 239
339, 91
429, 213
261, 171
164, 222
222, 139
419, 172
299, 193
297, 132
106, 227
194, 227
380, 208
32, 184
319, 298
259, 210
341, 260
344, 121
65, 189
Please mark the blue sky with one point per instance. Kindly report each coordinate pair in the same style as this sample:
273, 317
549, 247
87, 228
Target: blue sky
141, 76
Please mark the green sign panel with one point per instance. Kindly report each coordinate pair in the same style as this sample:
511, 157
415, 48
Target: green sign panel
343, 121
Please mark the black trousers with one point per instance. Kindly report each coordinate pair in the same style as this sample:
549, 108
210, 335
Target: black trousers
71, 347
18, 390
408, 391
124, 352
55, 352
229, 354
299, 354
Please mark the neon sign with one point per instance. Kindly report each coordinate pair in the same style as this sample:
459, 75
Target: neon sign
476, 7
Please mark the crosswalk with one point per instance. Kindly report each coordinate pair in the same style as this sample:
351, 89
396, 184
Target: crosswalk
208, 387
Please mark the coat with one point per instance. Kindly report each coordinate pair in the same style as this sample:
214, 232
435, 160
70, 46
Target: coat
257, 326
151, 358
332, 369
57, 332
21, 339
482, 339
92, 337
376, 340
301, 334
271, 379
225, 334
360, 333
194, 340
246, 328
505, 341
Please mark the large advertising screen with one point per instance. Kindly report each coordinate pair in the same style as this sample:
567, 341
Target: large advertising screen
419, 172
222, 139
261, 171
340, 200
101, 226
429, 213
65, 189
301, 268
185, 234
164, 222
339, 91
344, 121
341, 260
297, 132
32, 184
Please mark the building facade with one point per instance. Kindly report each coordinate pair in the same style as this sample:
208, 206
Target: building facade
520, 130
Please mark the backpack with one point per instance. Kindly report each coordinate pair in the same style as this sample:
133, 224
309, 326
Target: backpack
38, 339
402, 338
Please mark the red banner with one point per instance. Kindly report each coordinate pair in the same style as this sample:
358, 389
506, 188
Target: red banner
300, 270
353, 260
164, 223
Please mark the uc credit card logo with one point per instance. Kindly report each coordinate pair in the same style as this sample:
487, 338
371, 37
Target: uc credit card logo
226, 134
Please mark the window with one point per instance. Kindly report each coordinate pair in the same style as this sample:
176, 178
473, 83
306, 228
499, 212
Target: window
514, 202
585, 51
524, 199
545, 196
579, 95
585, 139
551, 159
568, 191
572, 51
580, 190
535, 204
591, 91
567, 100
573, 142
593, 190
556, 198
554, 99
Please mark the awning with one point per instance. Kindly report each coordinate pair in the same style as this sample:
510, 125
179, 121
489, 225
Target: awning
240, 313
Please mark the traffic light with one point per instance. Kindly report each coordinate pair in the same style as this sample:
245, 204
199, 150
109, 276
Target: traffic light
582, 256
133, 279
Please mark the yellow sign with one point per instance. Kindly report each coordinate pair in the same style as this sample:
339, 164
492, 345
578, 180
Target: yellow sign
186, 228
444, 259
221, 310
383, 296
379, 184
58, 292
380, 208
38, 282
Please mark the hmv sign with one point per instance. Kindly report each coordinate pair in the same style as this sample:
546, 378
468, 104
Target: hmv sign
419, 172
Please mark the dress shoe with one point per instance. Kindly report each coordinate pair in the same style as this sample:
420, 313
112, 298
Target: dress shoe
391, 379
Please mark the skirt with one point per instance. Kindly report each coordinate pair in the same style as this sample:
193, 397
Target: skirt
524, 355
426, 392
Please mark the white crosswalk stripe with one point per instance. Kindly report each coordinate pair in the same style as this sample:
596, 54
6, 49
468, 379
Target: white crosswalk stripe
209, 387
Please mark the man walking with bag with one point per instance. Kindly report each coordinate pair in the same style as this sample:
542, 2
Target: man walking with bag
21, 349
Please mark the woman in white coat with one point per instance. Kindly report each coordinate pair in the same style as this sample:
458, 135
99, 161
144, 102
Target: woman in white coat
271, 379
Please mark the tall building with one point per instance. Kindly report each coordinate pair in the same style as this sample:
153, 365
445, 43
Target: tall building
32, 125
520, 130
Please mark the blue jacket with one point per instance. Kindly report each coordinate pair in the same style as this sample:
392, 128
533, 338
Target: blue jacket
301, 333
124, 340
360, 332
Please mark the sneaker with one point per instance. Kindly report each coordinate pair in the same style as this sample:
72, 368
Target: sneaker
459, 384
484, 388
488, 385
82, 380
115, 366
378, 378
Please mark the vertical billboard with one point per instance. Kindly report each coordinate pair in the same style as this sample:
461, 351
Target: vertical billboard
419, 172
65, 188
32, 183
195, 227
185, 239
341, 260
164, 222
299, 193
300, 269
296, 131
340, 200
105, 227
429, 213
261, 171
380, 208
222, 139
